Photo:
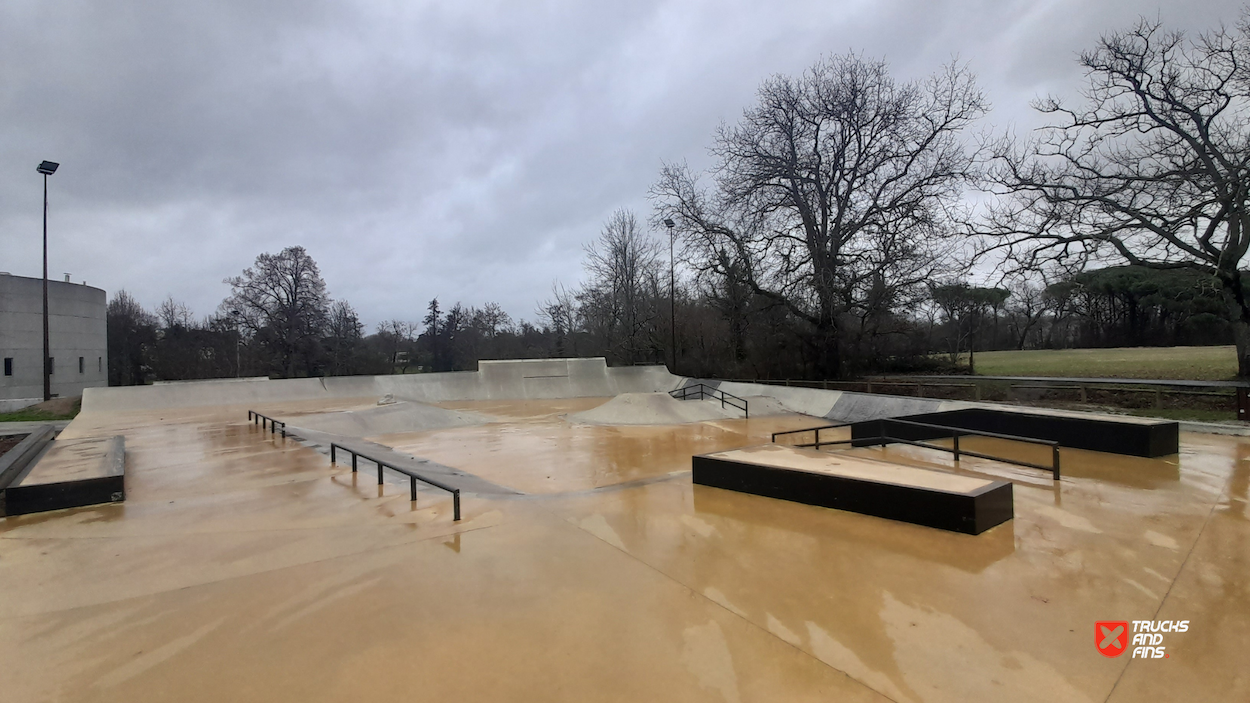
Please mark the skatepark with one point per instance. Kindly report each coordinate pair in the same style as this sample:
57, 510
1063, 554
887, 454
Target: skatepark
590, 561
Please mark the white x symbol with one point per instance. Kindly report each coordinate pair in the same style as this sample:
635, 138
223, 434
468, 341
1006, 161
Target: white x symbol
1109, 636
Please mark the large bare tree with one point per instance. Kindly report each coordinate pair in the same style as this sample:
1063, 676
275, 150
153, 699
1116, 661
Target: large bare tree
282, 302
620, 298
1152, 167
831, 192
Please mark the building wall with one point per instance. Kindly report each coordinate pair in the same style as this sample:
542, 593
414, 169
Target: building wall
76, 328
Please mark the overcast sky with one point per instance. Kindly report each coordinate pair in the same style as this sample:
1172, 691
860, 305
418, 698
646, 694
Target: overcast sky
464, 150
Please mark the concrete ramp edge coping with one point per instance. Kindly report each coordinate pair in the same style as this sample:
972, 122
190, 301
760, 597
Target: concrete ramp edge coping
519, 379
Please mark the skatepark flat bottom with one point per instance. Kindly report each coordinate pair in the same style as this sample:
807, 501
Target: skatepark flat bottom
243, 566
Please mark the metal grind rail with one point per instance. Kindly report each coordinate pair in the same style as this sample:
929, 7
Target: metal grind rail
256, 417
413, 477
955, 434
700, 391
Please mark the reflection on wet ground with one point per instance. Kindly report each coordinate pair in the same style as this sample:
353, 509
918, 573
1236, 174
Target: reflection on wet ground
238, 551
535, 450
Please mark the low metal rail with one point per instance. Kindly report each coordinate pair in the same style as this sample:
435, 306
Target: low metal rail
699, 391
256, 417
955, 434
413, 477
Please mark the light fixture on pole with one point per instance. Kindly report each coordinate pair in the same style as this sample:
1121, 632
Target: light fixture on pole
47, 168
672, 295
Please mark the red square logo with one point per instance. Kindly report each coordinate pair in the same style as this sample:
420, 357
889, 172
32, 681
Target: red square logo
1111, 637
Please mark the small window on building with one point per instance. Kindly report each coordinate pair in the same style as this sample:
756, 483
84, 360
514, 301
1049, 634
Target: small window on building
81, 368
8, 366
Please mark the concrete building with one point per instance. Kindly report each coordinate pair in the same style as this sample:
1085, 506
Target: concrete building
77, 336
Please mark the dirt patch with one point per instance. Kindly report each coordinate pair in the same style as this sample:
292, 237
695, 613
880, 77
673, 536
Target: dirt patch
57, 406
9, 441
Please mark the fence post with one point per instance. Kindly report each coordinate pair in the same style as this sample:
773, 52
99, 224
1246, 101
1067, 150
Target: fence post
353, 461
956, 446
1055, 459
332, 461
412, 480
455, 497
379, 473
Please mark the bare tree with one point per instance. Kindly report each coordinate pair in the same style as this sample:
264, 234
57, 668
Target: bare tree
832, 191
172, 313
560, 317
131, 333
1025, 312
282, 302
620, 298
400, 338
343, 337
1153, 169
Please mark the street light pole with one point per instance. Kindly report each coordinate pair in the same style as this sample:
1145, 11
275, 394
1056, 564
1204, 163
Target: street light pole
672, 295
47, 168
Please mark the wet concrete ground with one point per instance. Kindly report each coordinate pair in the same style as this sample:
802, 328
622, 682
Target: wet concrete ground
246, 567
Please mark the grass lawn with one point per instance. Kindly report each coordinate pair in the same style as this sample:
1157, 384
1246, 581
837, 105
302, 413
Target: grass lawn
55, 409
1194, 363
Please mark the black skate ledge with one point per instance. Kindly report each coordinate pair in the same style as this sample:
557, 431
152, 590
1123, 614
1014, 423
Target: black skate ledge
1130, 436
971, 510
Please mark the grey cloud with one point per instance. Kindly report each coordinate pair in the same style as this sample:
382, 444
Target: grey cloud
464, 150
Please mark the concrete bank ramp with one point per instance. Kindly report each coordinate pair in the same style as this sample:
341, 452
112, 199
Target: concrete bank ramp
521, 379
652, 409
837, 406
402, 416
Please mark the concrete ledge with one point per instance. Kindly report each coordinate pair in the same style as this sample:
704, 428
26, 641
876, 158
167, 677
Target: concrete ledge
18, 458
922, 497
72, 474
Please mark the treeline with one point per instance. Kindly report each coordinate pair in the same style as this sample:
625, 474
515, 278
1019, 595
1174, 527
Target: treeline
278, 321
848, 223
1110, 307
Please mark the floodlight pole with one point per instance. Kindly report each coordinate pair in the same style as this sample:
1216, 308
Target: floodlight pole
47, 168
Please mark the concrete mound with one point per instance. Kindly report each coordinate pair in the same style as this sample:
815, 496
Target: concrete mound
402, 416
652, 409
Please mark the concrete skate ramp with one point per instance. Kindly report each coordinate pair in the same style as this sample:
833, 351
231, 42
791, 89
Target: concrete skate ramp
652, 409
403, 416
838, 405
494, 380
